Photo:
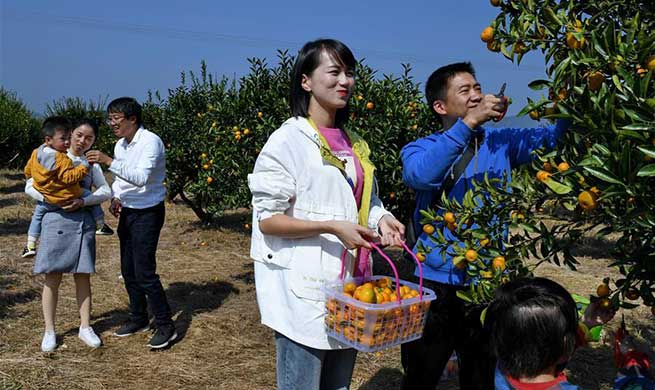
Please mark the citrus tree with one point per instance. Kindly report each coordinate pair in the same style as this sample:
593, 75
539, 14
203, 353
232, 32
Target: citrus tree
19, 131
214, 128
599, 59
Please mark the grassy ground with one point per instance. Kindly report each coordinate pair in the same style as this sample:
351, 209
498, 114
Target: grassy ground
212, 293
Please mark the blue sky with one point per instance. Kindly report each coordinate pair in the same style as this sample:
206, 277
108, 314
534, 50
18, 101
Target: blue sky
95, 49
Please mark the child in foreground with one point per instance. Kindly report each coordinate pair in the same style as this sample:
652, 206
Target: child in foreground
56, 177
535, 329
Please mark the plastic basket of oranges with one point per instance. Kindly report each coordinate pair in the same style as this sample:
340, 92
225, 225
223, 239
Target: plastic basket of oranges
377, 312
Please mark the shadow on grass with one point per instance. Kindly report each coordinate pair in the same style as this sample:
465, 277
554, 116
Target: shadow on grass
194, 298
248, 277
186, 298
14, 226
12, 189
593, 247
385, 378
592, 368
8, 202
234, 220
9, 294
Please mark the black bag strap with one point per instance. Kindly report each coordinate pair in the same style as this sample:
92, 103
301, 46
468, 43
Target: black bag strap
454, 175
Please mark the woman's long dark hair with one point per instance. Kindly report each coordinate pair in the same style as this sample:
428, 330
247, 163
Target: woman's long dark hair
309, 58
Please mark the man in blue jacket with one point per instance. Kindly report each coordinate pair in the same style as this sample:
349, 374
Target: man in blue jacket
457, 99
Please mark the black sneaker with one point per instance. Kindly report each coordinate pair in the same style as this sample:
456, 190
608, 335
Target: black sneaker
163, 337
131, 328
28, 252
105, 230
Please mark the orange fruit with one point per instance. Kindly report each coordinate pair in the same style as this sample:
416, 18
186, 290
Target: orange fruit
392, 195
495, 3
428, 229
235, 128
632, 294
595, 80
534, 114
493, 46
520, 48
603, 290
498, 263
367, 295
587, 200
370, 105
605, 303
595, 190
484, 242
487, 34
460, 265
562, 93
420, 256
349, 287
204, 155
209, 180
452, 226
572, 42
548, 167
260, 114
543, 175
205, 166
246, 131
359, 97
246, 226
563, 166
449, 217
650, 63
471, 255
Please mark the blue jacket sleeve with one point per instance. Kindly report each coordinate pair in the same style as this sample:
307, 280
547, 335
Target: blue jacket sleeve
426, 161
522, 142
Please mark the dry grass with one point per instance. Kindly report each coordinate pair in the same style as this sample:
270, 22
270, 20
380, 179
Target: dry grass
211, 290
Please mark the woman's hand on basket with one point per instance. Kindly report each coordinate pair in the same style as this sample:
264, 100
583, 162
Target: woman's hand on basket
392, 230
353, 235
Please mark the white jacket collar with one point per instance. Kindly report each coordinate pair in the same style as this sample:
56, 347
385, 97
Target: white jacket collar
305, 127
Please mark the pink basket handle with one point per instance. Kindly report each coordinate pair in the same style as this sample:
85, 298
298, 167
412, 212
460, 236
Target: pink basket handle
393, 267
420, 269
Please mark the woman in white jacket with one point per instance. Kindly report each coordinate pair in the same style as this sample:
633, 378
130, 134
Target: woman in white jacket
314, 197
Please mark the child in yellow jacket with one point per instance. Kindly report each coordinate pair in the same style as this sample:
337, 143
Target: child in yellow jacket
55, 177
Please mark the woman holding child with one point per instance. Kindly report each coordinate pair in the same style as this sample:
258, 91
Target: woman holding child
67, 243
314, 197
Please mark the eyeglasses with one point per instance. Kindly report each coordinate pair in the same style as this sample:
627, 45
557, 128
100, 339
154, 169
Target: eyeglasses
115, 119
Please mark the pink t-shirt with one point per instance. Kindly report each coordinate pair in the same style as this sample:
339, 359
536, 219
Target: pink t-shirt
342, 148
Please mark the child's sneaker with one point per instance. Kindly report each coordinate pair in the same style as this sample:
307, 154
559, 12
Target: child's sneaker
104, 231
28, 252
49, 342
89, 337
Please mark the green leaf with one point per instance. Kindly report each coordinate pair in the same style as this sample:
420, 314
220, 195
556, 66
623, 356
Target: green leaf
617, 82
465, 295
639, 127
650, 151
538, 85
557, 187
648, 171
604, 175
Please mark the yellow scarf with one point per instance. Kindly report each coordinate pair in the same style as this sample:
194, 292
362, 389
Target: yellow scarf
361, 150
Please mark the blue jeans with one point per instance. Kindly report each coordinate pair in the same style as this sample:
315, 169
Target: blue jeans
303, 368
42, 207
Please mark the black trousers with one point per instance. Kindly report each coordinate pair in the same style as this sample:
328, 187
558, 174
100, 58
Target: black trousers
450, 326
138, 232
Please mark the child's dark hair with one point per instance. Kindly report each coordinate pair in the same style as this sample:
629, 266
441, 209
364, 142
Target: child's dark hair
54, 124
533, 325
87, 122
437, 85
308, 59
127, 106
